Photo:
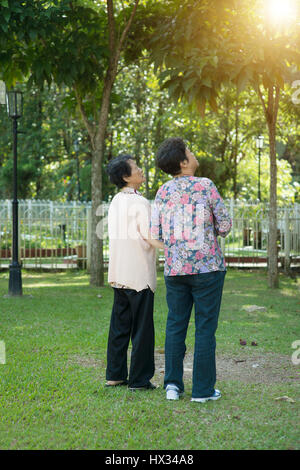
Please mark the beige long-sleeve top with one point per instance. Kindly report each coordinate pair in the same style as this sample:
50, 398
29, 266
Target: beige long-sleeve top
132, 261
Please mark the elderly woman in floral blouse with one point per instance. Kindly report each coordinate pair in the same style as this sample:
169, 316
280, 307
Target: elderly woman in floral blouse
187, 216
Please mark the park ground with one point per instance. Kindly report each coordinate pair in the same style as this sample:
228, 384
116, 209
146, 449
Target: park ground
52, 393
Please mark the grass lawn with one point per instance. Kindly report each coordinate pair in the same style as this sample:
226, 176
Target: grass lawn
52, 393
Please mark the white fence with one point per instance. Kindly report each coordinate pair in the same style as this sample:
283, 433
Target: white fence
247, 243
57, 235
51, 234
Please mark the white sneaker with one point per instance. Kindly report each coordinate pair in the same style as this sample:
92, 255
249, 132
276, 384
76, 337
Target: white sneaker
173, 392
216, 395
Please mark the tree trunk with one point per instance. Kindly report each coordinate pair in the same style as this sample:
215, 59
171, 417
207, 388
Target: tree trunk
236, 148
272, 245
271, 112
138, 105
146, 167
97, 266
97, 139
96, 270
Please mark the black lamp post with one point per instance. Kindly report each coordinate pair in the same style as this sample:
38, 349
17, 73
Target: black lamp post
259, 145
14, 101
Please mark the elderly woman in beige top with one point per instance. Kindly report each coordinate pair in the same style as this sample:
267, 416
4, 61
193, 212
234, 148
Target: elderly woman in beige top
132, 274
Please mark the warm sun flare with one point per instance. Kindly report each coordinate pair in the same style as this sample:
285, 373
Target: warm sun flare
281, 11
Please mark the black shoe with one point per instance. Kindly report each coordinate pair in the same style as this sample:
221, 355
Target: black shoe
149, 386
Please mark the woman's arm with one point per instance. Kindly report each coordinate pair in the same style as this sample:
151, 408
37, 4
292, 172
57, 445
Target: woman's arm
155, 243
222, 220
143, 227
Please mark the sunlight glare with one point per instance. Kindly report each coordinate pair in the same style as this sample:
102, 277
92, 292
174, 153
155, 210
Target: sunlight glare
281, 11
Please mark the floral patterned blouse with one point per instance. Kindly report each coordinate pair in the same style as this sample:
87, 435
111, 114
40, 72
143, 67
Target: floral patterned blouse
187, 215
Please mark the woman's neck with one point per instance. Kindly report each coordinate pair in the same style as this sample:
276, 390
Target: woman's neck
185, 173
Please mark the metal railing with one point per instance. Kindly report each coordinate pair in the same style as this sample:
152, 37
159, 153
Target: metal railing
56, 235
51, 235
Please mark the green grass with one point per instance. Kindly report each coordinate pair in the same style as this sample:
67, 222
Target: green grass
52, 393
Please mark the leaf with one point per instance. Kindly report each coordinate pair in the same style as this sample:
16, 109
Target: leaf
171, 61
6, 15
192, 93
267, 83
171, 85
214, 60
213, 104
200, 105
187, 84
163, 75
279, 80
4, 26
207, 82
285, 398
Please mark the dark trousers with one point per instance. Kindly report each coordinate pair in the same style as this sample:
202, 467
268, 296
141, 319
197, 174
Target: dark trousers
131, 318
205, 292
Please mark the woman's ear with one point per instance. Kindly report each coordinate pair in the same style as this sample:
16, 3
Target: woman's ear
184, 163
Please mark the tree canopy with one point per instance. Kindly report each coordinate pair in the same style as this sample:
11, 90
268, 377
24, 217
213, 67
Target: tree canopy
120, 75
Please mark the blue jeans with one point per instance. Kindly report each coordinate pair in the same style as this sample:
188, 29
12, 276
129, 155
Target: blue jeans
205, 292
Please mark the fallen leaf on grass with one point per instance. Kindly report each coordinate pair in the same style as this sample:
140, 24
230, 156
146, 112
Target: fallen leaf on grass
233, 417
285, 398
254, 308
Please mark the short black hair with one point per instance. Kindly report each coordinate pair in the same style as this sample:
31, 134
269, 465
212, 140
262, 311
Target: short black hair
119, 167
170, 154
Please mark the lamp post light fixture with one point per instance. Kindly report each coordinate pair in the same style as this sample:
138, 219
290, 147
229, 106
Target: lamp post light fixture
14, 101
259, 146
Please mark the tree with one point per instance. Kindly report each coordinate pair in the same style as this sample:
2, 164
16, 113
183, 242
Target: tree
289, 131
47, 164
97, 133
204, 45
77, 44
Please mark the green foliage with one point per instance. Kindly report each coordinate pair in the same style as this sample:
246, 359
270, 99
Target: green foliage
204, 45
78, 53
22, 25
197, 47
141, 117
248, 180
46, 154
